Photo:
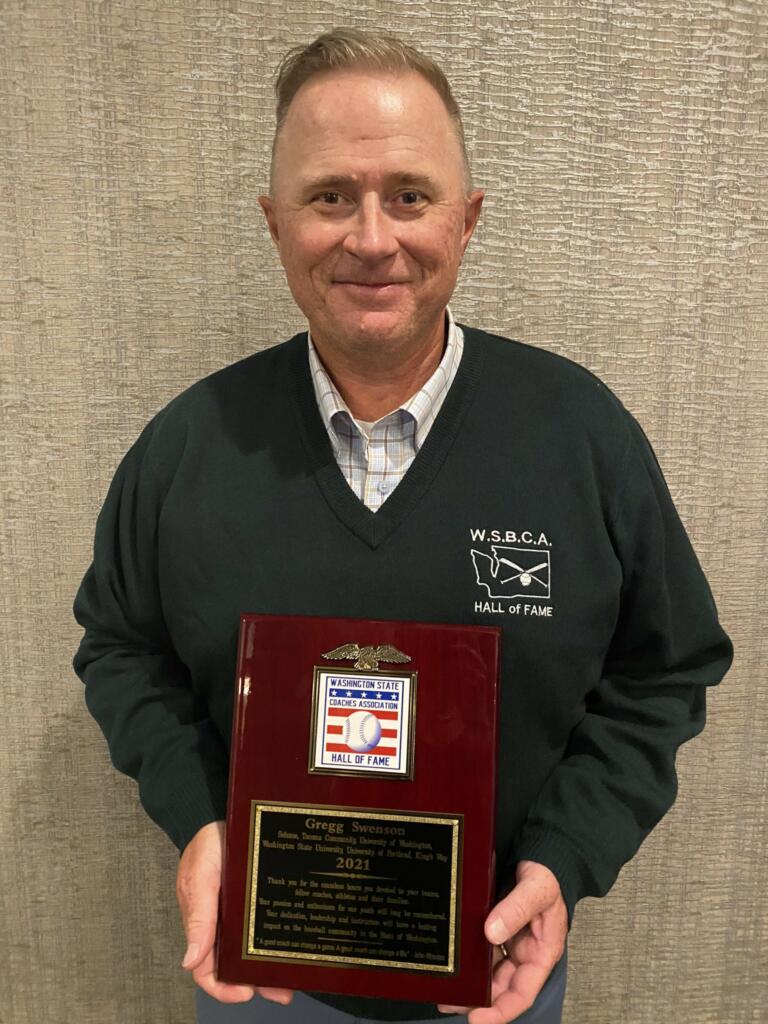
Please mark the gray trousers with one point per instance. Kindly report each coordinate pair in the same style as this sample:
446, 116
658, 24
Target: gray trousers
547, 1009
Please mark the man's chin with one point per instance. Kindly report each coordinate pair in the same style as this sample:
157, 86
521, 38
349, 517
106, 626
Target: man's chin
364, 327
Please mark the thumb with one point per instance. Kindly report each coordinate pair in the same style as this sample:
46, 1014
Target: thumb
512, 914
200, 928
199, 911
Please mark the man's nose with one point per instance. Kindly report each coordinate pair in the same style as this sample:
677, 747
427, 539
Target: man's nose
371, 235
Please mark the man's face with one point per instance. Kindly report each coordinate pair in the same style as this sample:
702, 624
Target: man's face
368, 208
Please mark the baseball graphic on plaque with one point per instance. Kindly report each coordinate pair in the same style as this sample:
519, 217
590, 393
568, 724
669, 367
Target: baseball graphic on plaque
362, 731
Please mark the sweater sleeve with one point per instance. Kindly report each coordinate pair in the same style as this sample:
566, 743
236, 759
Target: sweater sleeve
617, 776
136, 687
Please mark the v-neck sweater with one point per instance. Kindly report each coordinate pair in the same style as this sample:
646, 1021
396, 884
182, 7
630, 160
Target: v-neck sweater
535, 504
374, 461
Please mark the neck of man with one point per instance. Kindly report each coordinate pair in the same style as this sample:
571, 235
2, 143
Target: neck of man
374, 383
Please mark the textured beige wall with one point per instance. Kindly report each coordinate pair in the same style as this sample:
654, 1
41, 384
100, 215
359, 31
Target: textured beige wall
624, 150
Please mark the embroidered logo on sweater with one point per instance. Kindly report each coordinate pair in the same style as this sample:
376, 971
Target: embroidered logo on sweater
505, 572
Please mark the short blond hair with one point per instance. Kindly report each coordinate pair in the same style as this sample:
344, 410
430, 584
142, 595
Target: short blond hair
344, 48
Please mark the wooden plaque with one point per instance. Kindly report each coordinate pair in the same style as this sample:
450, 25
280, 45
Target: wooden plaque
361, 812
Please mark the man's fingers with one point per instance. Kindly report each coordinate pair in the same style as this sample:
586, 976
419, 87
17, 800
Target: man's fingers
502, 977
503, 970
205, 977
541, 940
524, 948
277, 995
526, 982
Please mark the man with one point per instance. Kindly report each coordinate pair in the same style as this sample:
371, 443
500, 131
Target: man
394, 464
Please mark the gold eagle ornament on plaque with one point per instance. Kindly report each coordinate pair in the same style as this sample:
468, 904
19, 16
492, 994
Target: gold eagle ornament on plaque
368, 658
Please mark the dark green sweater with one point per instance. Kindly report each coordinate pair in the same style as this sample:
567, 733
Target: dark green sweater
536, 504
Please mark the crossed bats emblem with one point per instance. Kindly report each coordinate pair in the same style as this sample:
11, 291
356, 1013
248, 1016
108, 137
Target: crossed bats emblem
526, 575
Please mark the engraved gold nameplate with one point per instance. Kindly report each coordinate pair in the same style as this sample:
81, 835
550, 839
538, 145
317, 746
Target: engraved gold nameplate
360, 887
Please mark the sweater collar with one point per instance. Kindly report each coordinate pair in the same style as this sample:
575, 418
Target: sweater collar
421, 408
374, 527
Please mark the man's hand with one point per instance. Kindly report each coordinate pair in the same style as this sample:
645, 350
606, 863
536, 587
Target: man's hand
198, 881
532, 922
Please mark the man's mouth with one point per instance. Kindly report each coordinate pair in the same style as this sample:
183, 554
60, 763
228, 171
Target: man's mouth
371, 284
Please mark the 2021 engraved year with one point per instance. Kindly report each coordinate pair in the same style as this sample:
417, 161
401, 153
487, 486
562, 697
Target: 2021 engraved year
354, 863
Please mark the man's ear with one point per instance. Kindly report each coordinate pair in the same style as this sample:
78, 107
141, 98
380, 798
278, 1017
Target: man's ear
471, 215
267, 205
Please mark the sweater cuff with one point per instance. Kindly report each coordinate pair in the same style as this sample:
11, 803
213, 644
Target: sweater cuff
192, 805
556, 853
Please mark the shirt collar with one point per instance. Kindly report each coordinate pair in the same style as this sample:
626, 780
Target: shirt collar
421, 407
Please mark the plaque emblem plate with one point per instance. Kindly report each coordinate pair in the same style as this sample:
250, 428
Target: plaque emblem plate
362, 720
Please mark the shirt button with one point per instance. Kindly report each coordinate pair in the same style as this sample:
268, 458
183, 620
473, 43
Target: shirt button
383, 486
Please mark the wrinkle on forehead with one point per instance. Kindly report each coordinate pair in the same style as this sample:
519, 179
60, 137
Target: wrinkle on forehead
366, 149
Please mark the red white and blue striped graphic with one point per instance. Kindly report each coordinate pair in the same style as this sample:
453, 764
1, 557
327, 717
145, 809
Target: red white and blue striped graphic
346, 700
340, 695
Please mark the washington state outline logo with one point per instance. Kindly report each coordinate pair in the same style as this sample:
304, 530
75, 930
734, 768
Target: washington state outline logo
513, 572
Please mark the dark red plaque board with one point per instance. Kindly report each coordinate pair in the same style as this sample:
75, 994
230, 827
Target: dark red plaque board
360, 821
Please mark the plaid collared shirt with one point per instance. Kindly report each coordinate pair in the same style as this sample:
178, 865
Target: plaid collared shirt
374, 456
